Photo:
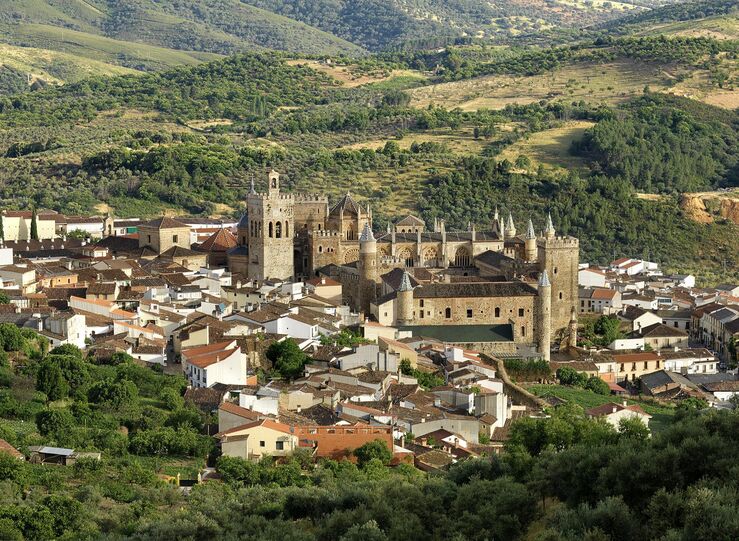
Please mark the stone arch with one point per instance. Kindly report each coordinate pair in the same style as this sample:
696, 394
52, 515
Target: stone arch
404, 254
351, 255
462, 257
430, 257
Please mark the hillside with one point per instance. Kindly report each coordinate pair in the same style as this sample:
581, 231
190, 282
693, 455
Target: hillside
156, 35
189, 140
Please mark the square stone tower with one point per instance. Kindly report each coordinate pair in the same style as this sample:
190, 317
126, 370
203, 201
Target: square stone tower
560, 256
271, 229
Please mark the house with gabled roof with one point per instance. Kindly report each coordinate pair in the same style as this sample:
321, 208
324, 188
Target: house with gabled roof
254, 440
222, 362
614, 413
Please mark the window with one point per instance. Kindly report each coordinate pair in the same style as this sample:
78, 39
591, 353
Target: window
421, 303
261, 444
175, 238
560, 295
633, 366
469, 312
320, 249
448, 313
646, 365
271, 231
421, 313
520, 312
278, 230
523, 330
555, 270
149, 236
497, 312
279, 445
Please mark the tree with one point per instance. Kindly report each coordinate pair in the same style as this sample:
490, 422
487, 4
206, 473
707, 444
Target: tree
34, 225
633, 428
287, 358
570, 376
54, 421
50, 381
609, 328
11, 337
376, 449
68, 349
597, 385
114, 394
4, 299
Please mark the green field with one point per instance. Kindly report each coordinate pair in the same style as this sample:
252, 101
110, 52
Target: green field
661, 415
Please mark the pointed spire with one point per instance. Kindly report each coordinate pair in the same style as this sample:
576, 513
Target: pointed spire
544, 279
496, 216
510, 225
530, 233
253, 190
366, 235
405, 282
388, 227
549, 229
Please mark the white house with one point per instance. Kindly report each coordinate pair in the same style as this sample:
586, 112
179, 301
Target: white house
591, 277
222, 362
627, 344
614, 413
268, 405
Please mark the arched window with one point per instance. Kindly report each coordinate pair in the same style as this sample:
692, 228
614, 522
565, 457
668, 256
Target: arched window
287, 230
320, 249
560, 295
462, 257
448, 313
270, 230
430, 257
405, 256
350, 234
278, 230
497, 312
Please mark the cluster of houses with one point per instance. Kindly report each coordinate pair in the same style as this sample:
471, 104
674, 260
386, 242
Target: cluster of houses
162, 292
678, 339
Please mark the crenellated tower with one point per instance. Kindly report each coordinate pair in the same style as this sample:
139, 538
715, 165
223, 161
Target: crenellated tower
270, 231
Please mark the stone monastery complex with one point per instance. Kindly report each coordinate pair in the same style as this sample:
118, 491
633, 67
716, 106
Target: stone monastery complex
501, 286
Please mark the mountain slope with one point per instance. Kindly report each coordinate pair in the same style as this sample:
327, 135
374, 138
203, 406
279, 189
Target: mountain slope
213, 26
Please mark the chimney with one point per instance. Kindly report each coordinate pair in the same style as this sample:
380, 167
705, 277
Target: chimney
613, 409
300, 408
625, 403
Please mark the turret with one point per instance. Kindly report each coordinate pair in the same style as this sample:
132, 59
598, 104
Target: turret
367, 269
405, 300
549, 229
572, 331
544, 315
530, 243
473, 232
510, 230
274, 182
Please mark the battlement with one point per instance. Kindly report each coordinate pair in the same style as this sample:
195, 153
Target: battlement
325, 233
310, 198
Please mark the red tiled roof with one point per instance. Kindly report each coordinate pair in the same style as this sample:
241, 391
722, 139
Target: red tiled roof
220, 241
267, 423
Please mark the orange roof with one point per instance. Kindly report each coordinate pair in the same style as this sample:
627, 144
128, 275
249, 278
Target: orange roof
603, 294
266, 423
607, 409
635, 357
99, 302
220, 241
207, 359
5, 447
323, 282
210, 348
232, 408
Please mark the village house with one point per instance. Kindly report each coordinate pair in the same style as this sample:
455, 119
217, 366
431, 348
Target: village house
613, 413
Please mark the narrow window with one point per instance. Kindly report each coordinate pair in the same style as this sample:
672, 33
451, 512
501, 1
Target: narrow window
270, 230
520, 312
448, 313
497, 312
469, 312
